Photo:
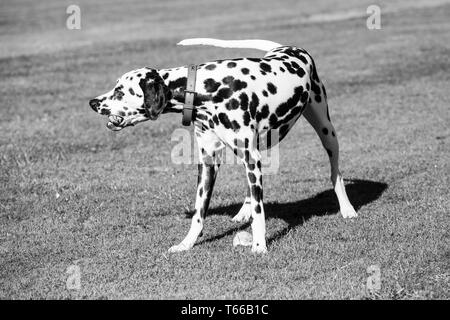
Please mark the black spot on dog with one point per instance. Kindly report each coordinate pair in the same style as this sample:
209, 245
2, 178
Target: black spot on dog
258, 211
253, 105
222, 94
318, 98
246, 143
252, 77
105, 112
211, 66
233, 104
257, 193
265, 94
245, 70
247, 156
300, 72
251, 177
235, 125
315, 88
215, 119
244, 101
201, 116
200, 193
228, 80
131, 91
231, 64
223, 118
238, 85
118, 93
325, 131
254, 59
271, 87
211, 85
246, 118
165, 76
282, 69
303, 59
265, 67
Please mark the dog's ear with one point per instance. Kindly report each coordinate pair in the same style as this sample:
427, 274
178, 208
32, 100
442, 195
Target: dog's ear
156, 94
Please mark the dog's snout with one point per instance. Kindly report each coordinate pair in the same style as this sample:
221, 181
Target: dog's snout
94, 103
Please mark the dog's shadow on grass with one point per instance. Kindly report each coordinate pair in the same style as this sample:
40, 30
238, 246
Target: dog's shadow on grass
360, 193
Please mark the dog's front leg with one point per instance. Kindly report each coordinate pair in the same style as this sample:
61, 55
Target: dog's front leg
206, 176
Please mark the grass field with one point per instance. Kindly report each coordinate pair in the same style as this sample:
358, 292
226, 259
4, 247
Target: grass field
74, 193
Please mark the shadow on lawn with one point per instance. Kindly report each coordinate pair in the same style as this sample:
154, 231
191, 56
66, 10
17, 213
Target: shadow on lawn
360, 193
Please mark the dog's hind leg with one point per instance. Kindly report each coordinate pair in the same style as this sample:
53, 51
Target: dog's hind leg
207, 171
317, 114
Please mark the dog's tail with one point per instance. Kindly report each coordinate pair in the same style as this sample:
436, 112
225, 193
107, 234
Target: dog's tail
264, 45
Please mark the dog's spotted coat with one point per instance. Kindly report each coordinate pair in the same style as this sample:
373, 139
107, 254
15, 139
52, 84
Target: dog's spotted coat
240, 104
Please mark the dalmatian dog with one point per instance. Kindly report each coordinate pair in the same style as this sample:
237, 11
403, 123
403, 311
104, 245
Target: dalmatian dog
239, 103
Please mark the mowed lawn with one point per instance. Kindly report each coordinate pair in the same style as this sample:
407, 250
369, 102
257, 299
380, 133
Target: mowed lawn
112, 203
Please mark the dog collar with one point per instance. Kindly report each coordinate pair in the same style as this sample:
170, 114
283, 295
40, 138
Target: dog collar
189, 95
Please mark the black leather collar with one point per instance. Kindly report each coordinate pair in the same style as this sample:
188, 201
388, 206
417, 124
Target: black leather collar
189, 95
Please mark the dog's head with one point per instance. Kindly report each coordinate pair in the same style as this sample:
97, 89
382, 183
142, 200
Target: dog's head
138, 95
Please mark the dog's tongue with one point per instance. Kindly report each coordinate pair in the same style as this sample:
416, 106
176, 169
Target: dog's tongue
112, 127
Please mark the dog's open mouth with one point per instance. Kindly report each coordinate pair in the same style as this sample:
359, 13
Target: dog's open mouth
115, 123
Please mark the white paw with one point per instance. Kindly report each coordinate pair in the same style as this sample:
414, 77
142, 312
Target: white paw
348, 212
179, 247
244, 214
259, 249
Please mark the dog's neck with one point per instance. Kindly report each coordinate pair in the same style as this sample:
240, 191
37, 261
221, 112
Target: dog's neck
176, 81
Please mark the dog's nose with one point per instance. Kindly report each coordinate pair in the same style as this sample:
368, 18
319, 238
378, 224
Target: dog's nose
94, 103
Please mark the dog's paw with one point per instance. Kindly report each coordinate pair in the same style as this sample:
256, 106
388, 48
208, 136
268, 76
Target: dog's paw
179, 247
259, 249
244, 214
349, 212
